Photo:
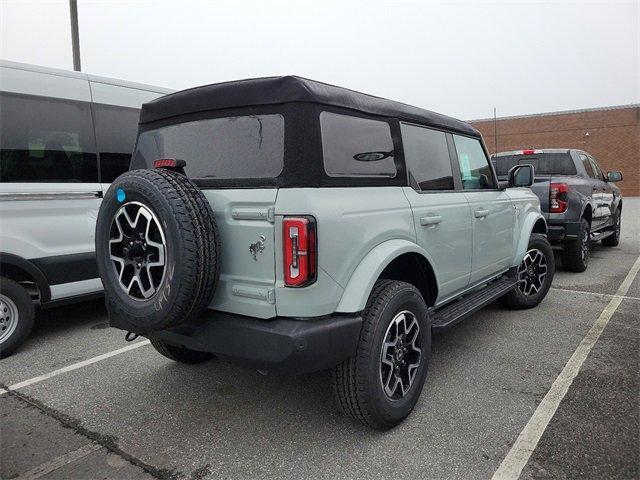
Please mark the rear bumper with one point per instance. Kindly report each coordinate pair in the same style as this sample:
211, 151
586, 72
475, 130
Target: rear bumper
559, 232
286, 345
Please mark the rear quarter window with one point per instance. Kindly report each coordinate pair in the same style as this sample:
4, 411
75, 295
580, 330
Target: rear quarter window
249, 146
356, 147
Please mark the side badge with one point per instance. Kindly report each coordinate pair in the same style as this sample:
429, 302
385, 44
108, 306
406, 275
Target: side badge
258, 247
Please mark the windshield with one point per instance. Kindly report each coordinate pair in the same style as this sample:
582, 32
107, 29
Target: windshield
229, 147
543, 163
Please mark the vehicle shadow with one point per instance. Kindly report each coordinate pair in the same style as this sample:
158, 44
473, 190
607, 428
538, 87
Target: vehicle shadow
67, 318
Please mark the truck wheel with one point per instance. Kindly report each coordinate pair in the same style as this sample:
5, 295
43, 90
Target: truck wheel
16, 316
381, 383
535, 275
575, 256
180, 354
157, 250
614, 240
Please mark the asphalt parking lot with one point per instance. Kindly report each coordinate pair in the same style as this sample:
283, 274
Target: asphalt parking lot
136, 414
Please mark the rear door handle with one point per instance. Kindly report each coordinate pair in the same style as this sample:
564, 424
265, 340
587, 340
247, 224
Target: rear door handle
481, 213
430, 220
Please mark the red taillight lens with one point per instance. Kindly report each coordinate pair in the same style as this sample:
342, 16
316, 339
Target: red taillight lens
558, 197
165, 162
300, 251
528, 152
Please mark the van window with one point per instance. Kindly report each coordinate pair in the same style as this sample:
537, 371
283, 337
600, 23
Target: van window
116, 130
427, 157
475, 172
356, 147
249, 146
46, 140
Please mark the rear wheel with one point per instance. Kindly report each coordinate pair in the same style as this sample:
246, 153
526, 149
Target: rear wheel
535, 274
381, 383
575, 256
16, 316
180, 354
614, 239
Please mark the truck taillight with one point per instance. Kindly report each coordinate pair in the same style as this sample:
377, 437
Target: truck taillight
300, 251
558, 197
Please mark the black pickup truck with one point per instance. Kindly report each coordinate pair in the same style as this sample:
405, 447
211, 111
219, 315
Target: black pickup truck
581, 203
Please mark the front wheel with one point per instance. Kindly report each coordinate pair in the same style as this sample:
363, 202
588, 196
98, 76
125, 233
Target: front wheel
614, 239
381, 383
535, 274
16, 316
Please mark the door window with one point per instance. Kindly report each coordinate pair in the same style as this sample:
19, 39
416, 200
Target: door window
116, 130
475, 172
46, 139
427, 157
596, 168
587, 165
356, 147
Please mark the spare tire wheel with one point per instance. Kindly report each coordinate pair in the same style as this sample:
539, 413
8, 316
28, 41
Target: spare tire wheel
157, 249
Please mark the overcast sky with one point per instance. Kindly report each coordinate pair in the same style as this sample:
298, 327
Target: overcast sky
457, 58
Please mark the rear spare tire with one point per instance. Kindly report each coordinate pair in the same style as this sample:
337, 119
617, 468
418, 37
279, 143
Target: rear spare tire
157, 250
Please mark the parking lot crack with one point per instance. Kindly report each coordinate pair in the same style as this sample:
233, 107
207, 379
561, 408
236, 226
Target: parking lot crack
107, 441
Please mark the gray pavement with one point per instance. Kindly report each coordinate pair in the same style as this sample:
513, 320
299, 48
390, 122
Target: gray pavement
154, 418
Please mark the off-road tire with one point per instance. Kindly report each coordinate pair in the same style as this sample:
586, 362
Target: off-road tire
20, 298
572, 256
516, 298
192, 251
180, 354
614, 240
357, 382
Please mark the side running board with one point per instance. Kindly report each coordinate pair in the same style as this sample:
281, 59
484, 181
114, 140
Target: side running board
447, 316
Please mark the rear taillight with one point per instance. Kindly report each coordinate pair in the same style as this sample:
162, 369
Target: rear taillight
300, 251
558, 197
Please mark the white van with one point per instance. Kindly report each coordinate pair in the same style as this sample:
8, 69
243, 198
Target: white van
64, 136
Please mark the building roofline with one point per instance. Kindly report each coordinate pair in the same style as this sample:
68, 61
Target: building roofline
560, 112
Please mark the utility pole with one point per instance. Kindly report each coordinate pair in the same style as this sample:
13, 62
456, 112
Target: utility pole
75, 36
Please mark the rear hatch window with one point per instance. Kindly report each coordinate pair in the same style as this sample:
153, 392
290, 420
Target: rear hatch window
545, 164
249, 146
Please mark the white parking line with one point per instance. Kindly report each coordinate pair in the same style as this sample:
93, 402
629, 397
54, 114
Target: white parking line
597, 294
512, 465
72, 367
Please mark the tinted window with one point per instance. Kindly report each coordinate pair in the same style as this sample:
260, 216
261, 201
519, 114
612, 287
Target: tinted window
229, 147
46, 140
587, 165
427, 157
356, 147
116, 129
596, 169
543, 163
475, 171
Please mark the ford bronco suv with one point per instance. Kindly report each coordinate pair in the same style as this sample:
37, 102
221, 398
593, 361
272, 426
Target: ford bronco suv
580, 203
296, 226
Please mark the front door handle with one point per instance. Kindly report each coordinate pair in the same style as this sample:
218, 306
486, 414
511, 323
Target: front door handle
430, 220
481, 213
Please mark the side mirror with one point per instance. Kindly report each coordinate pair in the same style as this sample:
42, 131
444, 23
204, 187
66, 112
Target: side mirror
614, 176
520, 176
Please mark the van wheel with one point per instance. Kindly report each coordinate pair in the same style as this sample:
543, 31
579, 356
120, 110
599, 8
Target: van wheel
381, 383
614, 240
535, 274
16, 316
180, 354
157, 250
575, 256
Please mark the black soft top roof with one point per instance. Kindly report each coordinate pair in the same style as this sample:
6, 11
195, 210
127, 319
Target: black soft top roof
279, 90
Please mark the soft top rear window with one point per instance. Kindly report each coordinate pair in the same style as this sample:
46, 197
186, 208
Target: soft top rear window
543, 163
250, 146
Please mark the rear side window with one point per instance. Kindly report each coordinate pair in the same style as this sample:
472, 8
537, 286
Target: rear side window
116, 129
475, 171
543, 163
230, 147
427, 157
46, 140
587, 165
356, 147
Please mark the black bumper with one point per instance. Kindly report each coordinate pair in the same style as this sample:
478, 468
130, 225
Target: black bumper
286, 345
558, 232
